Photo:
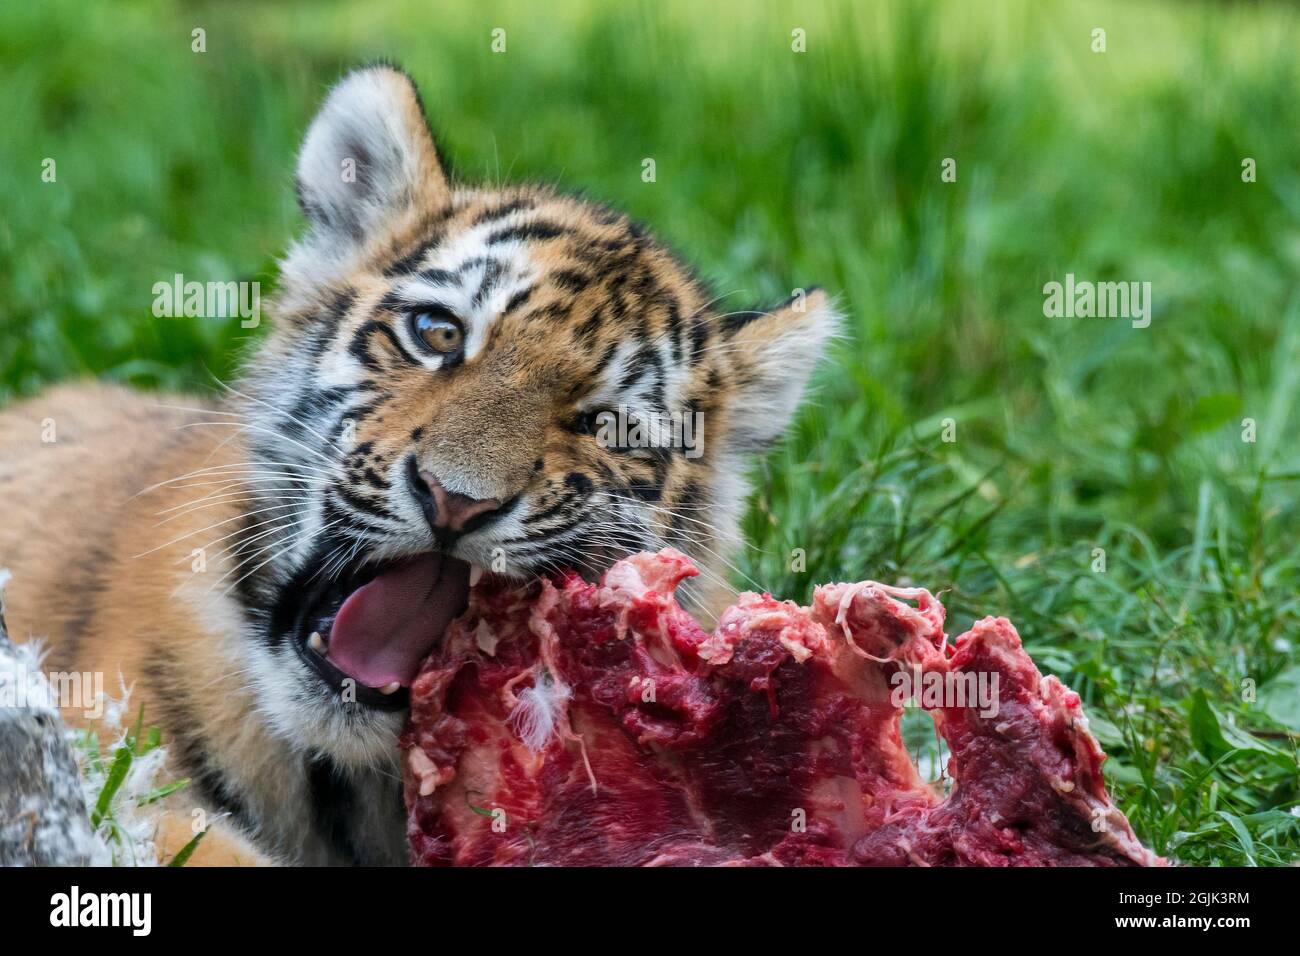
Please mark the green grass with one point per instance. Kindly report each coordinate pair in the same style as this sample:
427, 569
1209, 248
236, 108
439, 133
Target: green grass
777, 170
118, 784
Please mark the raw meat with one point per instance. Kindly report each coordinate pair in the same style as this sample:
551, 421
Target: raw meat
566, 723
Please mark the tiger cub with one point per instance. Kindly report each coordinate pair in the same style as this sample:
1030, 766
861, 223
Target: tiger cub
455, 379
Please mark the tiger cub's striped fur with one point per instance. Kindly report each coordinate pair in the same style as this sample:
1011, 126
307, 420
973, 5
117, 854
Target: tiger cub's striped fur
177, 540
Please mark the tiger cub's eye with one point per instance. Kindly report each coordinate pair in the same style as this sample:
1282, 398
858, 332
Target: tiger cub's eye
439, 333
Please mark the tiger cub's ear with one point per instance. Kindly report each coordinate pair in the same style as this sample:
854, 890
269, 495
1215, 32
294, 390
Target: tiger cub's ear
773, 354
367, 158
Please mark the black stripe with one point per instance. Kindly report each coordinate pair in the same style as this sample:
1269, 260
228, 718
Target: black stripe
690, 499
657, 464
311, 406
364, 505
591, 325
360, 347
500, 212
88, 577
529, 230
518, 300
491, 273
561, 503
333, 802
438, 276
548, 534
674, 320
349, 525
186, 741
699, 338
648, 491
432, 226
357, 412
556, 311
571, 280
646, 361
738, 320
406, 264
330, 319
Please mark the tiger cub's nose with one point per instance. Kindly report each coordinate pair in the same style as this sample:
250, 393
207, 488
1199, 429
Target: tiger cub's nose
447, 510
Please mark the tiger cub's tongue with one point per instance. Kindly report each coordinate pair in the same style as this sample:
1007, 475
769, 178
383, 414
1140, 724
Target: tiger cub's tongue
385, 629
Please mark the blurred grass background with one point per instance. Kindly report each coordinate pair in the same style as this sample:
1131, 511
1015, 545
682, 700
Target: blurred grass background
777, 170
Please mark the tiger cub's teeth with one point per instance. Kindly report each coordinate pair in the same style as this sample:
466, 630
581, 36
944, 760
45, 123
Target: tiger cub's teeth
316, 642
475, 574
392, 688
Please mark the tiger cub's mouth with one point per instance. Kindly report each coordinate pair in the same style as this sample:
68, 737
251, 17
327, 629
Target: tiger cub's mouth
366, 632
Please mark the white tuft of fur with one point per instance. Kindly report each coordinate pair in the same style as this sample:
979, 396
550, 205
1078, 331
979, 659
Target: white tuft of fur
781, 349
126, 834
539, 711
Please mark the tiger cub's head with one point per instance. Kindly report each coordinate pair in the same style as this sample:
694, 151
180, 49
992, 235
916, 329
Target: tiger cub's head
463, 378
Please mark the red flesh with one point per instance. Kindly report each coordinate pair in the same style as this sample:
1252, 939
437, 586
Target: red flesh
771, 741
